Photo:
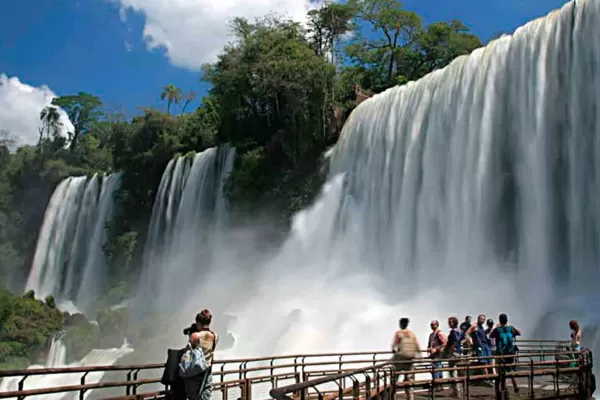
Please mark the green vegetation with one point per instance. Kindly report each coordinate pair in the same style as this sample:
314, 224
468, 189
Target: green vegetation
26, 328
278, 92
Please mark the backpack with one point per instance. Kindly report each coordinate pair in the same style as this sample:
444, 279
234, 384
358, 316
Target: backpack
170, 373
505, 340
407, 348
192, 363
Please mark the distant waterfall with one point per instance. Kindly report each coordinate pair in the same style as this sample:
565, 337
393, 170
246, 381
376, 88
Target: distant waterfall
188, 214
69, 261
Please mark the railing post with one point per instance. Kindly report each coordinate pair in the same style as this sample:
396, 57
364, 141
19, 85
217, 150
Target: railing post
128, 387
82, 391
530, 378
431, 391
500, 381
246, 390
135, 378
21, 382
467, 381
272, 373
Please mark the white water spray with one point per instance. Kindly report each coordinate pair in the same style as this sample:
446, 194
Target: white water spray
56, 359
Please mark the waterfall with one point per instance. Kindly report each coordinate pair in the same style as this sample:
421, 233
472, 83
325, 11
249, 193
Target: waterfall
69, 261
56, 359
473, 190
189, 212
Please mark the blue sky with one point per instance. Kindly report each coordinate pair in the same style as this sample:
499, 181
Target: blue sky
98, 46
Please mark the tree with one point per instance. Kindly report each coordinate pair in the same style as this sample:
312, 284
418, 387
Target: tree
8, 140
51, 123
396, 29
269, 87
83, 109
173, 95
187, 98
327, 24
436, 47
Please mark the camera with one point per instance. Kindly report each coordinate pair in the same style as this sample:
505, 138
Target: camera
191, 329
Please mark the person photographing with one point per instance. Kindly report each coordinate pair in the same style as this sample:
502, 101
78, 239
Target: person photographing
207, 340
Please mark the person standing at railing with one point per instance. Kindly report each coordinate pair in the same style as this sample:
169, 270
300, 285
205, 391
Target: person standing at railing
490, 327
575, 339
453, 350
208, 343
437, 342
505, 335
575, 335
466, 324
406, 348
481, 345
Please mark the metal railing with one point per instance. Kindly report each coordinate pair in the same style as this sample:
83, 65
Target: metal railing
544, 368
256, 377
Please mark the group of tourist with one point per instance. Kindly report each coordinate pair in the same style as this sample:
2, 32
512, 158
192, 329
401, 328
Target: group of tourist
484, 339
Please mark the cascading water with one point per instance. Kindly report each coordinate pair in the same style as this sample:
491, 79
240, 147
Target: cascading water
187, 217
56, 359
474, 189
69, 261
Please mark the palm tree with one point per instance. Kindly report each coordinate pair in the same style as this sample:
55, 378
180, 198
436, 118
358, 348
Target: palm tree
50, 121
187, 98
173, 95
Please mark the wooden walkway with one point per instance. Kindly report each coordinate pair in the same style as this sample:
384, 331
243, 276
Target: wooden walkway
542, 368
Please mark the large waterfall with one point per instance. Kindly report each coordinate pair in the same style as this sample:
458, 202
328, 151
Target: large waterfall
69, 261
475, 189
188, 215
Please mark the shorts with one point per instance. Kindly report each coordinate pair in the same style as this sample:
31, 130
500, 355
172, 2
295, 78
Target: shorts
484, 352
402, 364
508, 363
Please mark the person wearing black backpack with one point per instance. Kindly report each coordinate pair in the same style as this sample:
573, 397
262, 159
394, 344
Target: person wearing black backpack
505, 335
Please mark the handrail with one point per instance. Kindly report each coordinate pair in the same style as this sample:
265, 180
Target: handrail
107, 368
300, 364
583, 358
281, 393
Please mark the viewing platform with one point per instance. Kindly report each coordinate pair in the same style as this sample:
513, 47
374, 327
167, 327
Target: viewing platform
544, 370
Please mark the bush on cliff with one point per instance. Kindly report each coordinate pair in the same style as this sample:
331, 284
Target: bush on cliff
27, 326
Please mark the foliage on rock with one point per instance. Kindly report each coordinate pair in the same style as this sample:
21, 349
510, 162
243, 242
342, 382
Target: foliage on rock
27, 326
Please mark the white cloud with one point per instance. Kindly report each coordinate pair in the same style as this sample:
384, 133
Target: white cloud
193, 32
20, 106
